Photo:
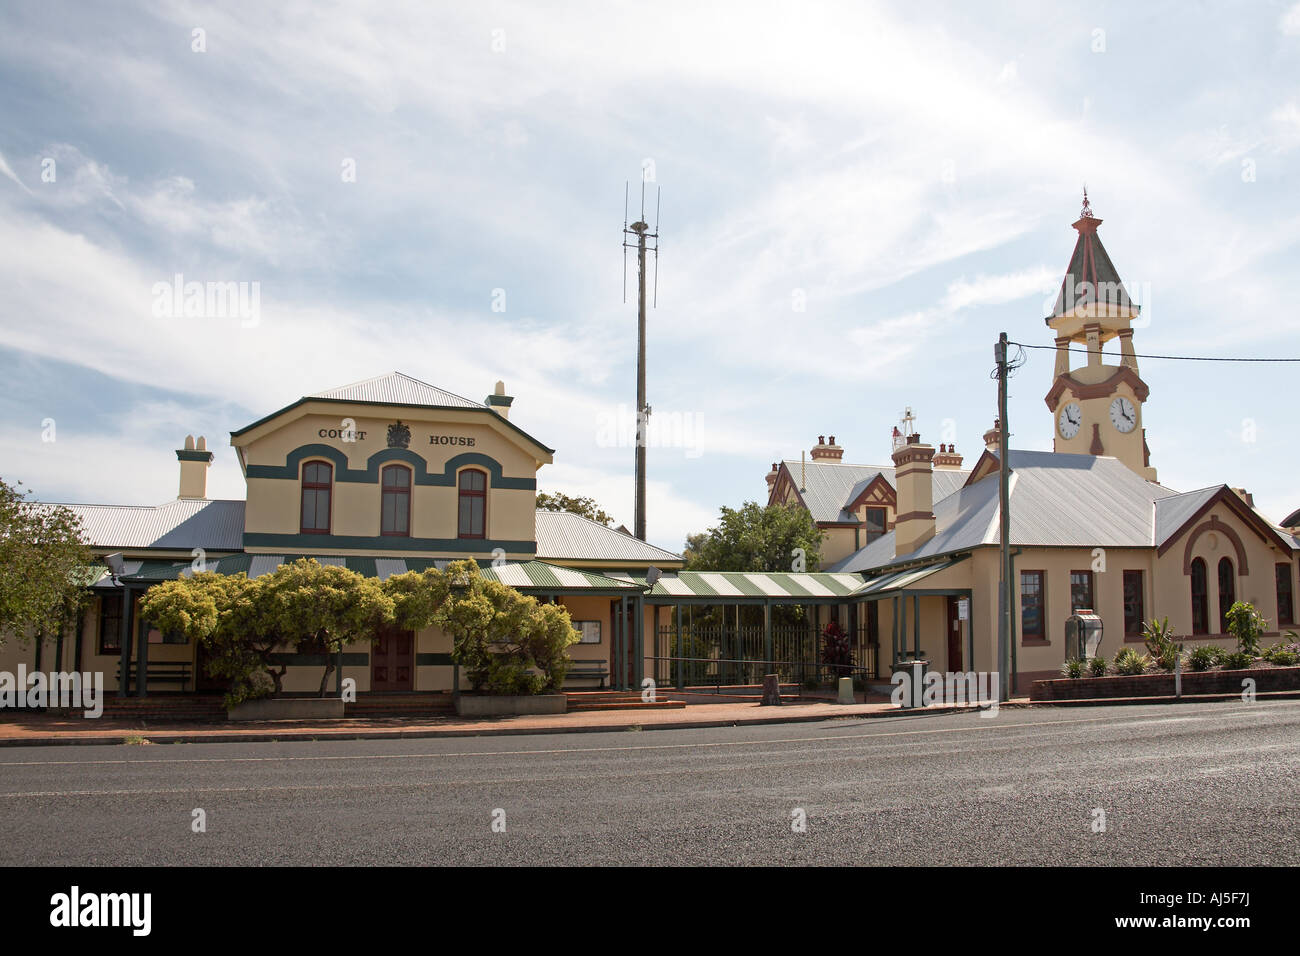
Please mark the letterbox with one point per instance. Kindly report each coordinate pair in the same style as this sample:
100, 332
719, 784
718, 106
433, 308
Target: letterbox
1083, 631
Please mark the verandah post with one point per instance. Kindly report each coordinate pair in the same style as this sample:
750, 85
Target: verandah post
124, 644
681, 664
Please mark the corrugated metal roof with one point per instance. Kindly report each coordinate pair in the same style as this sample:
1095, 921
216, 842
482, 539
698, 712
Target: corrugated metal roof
524, 575
1172, 512
1056, 499
398, 389
564, 535
216, 525
829, 487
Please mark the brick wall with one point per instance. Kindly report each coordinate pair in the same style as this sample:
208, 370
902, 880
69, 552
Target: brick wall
1162, 685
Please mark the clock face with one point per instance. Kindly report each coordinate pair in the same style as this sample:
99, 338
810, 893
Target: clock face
1123, 415
1070, 419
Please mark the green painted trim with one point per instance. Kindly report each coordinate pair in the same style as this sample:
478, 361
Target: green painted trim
353, 659
294, 543
349, 401
501, 400
369, 475
188, 454
433, 660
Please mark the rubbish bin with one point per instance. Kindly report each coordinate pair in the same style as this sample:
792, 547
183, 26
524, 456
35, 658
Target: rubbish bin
916, 671
1083, 630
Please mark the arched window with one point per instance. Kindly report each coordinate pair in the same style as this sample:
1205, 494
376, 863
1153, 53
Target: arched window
1227, 591
395, 513
317, 484
1200, 598
473, 504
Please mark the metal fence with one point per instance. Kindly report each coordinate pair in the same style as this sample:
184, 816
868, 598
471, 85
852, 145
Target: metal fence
717, 655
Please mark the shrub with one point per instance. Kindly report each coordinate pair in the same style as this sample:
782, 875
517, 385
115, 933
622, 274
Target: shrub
1245, 624
1284, 655
1158, 637
1129, 662
1237, 660
1072, 668
837, 651
1097, 667
1203, 658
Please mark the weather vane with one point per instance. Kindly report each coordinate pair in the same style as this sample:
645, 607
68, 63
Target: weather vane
1086, 212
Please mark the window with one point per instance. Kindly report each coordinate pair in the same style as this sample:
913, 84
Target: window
1227, 592
1081, 591
1033, 591
1285, 603
874, 520
396, 511
110, 624
317, 477
589, 631
1200, 598
473, 504
1134, 612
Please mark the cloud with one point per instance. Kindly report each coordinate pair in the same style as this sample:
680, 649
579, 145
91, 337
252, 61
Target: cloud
999, 289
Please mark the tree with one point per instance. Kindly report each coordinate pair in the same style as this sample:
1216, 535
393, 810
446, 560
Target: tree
757, 538
42, 552
321, 608
219, 611
499, 636
587, 507
245, 624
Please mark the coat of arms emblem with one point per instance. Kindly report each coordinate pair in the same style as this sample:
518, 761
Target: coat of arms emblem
399, 435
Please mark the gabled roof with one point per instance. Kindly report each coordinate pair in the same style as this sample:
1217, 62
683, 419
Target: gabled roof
396, 388
563, 535
182, 524
830, 487
1055, 500
399, 390
1091, 276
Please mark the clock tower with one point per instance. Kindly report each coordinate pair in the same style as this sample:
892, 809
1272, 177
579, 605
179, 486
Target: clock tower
1096, 408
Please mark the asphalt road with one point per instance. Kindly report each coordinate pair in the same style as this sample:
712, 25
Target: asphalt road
1186, 784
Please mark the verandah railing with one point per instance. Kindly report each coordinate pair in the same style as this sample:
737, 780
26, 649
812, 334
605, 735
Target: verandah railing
715, 655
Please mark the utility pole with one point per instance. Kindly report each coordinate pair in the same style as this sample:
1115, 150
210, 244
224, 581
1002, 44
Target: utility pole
1006, 632
641, 230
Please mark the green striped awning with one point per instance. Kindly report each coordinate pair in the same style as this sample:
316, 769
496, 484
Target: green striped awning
522, 575
728, 586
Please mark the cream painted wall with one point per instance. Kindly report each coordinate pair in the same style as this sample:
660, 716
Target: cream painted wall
273, 505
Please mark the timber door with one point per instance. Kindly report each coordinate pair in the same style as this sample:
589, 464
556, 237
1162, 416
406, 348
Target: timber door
621, 647
392, 660
954, 635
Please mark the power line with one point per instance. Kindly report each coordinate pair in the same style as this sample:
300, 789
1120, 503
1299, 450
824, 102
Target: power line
1176, 358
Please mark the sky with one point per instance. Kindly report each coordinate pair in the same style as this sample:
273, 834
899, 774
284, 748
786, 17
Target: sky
856, 198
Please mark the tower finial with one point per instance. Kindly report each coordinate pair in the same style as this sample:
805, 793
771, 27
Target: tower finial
1086, 212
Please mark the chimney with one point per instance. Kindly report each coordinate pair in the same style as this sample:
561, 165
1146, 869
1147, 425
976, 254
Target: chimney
1245, 496
914, 488
826, 451
194, 468
947, 459
499, 401
771, 477
993, 437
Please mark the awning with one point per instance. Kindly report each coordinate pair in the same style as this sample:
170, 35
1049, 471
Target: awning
729, 587
522, 575
897, 581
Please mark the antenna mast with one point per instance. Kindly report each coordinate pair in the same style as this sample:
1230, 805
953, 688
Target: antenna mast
640, 231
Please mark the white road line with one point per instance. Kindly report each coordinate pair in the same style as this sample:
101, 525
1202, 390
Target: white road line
985, 724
